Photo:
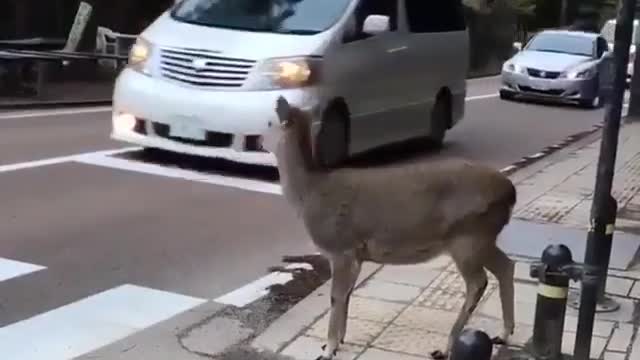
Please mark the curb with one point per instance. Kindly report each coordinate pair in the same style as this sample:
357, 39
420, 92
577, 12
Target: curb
46, 105
302, 315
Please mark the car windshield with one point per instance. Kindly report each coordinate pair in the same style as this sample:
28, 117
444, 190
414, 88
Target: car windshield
563, 43
279, 16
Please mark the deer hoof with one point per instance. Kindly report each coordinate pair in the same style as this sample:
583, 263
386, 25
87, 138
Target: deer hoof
438, 355
498, 341
327, 356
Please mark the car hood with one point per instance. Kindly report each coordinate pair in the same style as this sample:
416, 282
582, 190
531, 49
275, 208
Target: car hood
167, 32
549, 61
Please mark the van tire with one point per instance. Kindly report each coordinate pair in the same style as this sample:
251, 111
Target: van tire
440, 120
332, 142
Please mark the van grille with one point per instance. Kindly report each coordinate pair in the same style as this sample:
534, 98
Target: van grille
214, 71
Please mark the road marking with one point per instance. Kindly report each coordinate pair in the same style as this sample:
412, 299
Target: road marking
93, 322
257, 289
10, 269
481, 97
61, 159
153, 169
45, 113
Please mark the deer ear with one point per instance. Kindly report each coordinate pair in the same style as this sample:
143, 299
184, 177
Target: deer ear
283, 109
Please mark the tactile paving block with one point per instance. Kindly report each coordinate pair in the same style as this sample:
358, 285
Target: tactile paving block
410, 341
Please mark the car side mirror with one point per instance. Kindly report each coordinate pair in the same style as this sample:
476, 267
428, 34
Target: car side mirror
517, 46
375, 24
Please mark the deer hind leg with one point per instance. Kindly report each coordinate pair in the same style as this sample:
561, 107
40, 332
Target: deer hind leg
345, 272
503, 269
476, 282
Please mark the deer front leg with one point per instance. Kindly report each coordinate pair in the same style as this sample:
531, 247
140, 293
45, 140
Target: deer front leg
345, 271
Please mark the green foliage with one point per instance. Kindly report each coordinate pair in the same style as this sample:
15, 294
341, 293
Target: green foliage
523, 7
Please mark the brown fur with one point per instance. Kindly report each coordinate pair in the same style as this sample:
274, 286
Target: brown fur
402, 214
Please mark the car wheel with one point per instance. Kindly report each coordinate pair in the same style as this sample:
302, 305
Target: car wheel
507, 95
440, 118
594, 103
332, 142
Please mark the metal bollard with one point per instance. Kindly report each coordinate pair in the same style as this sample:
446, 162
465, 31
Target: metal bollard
472, 345
553, 272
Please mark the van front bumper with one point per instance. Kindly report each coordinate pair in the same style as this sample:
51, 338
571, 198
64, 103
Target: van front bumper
232, 120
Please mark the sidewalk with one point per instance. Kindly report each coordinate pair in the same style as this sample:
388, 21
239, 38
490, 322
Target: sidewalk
405, 312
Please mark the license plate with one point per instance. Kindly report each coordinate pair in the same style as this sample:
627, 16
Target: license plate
187, 128
540, 85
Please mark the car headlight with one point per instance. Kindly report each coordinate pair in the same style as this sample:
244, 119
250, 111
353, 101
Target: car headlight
581, 73
285, 73
514, 68
139, 56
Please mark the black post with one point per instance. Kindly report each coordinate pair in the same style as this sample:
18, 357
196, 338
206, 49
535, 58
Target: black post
553, 272
598, 243
472, 345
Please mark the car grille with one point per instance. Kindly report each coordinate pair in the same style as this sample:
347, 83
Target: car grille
215, 71
543, 74
554, 92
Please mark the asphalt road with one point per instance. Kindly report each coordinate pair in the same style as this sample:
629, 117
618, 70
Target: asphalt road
75, 229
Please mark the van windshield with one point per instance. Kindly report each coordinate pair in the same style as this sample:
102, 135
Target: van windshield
278, 16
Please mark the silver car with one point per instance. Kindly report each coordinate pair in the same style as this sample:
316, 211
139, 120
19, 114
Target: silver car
557, 65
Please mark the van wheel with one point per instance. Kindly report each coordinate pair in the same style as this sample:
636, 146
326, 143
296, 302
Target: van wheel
440, 118
332, 142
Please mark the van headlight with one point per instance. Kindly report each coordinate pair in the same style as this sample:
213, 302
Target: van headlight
285, 73
139, 56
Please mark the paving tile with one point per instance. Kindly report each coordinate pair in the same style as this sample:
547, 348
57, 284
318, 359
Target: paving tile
359, 332
415, 275
373, 310
410, 341
618, 286
597, 345
621, 338
635, 352
524, 308
305, 348
383, 290
418, 317
522, 272
609, 355
447, 292
600, 328
377, 354
635, 291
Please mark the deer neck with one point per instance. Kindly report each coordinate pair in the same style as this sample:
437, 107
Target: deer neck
296, 168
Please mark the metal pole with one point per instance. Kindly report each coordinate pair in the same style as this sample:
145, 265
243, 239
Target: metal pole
598, 243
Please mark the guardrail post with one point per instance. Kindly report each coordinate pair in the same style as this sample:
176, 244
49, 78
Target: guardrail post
555, 269
472, 345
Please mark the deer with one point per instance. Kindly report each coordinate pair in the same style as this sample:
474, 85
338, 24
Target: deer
396, 215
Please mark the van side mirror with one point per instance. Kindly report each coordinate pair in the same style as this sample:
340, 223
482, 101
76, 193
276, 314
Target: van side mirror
517, 46
375, 24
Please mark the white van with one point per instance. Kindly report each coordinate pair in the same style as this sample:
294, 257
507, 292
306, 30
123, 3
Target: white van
203, 79
608, 31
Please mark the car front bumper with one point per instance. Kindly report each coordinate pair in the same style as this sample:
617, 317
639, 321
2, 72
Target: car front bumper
232, 120
561, 89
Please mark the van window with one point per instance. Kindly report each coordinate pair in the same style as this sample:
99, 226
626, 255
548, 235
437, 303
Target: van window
370, 7
432, 16
278, 16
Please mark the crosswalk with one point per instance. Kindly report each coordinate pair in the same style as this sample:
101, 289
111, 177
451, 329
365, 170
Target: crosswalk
86, 324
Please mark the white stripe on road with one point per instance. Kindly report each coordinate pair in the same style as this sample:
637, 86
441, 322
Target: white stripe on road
45, 113
255, 290
481, 97
61, 159
10, 269
153, 169
91, 323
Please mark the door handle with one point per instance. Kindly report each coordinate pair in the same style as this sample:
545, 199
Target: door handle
396, 49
